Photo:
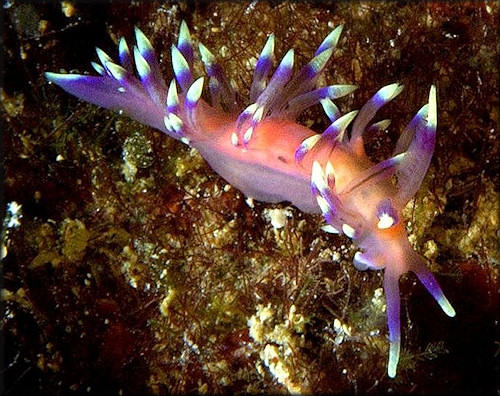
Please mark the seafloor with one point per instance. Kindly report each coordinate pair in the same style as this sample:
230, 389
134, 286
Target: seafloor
131, 267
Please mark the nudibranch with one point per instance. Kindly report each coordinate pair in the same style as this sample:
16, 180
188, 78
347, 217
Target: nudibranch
267, 155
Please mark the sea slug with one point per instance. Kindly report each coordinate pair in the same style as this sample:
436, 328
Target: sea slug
264, 153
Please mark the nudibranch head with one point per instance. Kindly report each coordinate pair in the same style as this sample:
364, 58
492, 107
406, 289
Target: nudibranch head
369, 208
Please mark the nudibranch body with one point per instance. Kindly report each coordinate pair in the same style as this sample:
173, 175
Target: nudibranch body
263, 152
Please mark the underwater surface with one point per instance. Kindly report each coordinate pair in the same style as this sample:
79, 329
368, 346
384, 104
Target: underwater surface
130, 267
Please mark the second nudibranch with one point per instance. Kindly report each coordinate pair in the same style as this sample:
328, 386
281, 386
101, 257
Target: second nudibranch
264, 153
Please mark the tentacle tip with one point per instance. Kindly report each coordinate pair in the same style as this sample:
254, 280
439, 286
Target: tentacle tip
183, 30
184, 42
141, 64
392, 366
198, 86
59, 79
268, 50
348, 231
447, 307
389, 92
331, 40
353, 88
234, 139
116, 71
194, 93
142, 41
432, 115
51, 76
336, 33
361, 262
103, 56
288, 59
206, 56
122, 45
391, 371
181, 68
343, 122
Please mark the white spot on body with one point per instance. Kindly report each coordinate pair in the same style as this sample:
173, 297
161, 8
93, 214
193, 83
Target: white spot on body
385, 221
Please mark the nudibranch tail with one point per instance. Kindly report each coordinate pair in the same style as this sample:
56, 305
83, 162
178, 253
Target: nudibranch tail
145, 98
117, 88
393, 303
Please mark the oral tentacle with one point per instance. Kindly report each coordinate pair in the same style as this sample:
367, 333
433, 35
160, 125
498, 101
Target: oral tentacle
429, 281
391, 289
